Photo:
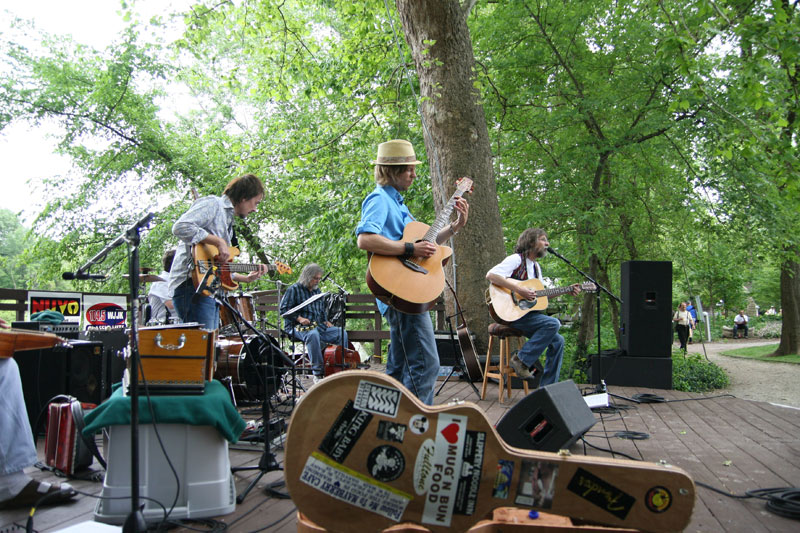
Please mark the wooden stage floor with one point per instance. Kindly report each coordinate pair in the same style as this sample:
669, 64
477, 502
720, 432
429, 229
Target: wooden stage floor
729, 443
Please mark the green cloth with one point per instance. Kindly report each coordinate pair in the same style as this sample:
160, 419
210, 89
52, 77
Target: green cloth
214, 408
50, 317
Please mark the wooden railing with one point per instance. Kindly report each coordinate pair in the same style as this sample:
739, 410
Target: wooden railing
16, 300
363, 321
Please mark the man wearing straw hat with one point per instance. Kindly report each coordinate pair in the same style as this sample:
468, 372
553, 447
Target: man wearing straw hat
412, 358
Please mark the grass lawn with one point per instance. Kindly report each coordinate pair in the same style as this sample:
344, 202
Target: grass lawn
761, 352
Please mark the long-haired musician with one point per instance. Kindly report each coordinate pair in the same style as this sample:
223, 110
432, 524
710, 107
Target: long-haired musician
210, 221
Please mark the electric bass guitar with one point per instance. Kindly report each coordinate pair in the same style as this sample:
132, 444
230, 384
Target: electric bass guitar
412, 284
363, 452
208, 270
506, 306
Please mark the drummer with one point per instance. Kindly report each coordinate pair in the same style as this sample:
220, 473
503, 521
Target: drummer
309, 323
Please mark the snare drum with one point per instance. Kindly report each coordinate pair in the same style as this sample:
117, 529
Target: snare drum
243, 303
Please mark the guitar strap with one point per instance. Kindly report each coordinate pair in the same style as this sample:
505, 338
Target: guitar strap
234, 239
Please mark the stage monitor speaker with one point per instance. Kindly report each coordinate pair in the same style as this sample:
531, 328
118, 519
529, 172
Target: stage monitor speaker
646, 329
548, 419
75, 370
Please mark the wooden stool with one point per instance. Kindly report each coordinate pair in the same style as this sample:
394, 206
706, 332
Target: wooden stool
502, 371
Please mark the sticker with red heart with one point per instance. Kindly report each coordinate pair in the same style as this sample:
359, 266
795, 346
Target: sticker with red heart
450, 433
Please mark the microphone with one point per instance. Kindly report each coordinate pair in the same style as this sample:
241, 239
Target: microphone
550, 250
326, 277
82, 275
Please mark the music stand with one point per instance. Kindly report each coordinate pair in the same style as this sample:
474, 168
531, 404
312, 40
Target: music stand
267, 462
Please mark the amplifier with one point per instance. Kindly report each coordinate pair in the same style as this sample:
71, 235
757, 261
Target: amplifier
68, 330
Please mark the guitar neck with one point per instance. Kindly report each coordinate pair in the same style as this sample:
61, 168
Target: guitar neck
554, 292
442, 218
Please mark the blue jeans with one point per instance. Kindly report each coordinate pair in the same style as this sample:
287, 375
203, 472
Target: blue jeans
16, 438
314, 339
413, 359
203, 309
542, 333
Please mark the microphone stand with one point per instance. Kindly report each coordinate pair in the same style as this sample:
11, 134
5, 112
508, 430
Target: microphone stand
267, 463
135, 520
597, 297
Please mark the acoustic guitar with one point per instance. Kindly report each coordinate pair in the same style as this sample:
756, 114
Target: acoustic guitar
363, 453
206, 263
17, 340
506, 306
412, 284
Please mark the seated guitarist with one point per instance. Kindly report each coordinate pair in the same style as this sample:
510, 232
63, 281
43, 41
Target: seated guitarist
541, 329
412, 359
210, 221
310, 324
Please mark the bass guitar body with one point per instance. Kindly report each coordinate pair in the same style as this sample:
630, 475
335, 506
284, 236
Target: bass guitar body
410, 285
363, 453
207, 269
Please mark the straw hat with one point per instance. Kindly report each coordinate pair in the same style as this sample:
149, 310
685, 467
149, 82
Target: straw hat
396, 152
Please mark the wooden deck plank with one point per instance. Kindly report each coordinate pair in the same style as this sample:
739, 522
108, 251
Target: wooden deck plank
699, 436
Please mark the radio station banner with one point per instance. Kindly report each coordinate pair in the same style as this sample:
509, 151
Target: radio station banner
105, 311
66, 303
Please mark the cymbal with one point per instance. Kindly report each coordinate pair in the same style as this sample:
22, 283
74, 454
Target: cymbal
146, 278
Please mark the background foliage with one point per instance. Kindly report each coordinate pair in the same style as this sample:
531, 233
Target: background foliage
630, 129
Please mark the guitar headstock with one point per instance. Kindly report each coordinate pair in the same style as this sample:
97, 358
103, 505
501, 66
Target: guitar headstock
464, 185
282, 268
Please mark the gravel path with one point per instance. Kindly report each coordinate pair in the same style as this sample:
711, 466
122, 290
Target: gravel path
754, 380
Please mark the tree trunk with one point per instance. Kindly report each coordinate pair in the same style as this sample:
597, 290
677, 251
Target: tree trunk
790, 304
457, 143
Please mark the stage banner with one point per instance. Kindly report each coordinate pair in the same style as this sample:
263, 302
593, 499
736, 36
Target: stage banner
66, 303
104, 311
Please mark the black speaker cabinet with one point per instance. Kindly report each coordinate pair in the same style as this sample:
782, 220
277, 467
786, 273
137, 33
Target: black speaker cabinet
624, 371
76, 371
646, 328
548, 419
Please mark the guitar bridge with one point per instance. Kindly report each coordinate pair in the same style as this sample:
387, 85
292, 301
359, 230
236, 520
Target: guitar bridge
413, 266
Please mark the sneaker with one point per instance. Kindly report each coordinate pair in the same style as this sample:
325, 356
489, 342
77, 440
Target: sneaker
316, 379
520, 368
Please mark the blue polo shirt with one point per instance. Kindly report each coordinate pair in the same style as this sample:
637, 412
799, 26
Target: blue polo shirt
383, 212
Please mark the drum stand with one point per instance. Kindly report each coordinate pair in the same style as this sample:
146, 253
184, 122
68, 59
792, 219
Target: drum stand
267, 463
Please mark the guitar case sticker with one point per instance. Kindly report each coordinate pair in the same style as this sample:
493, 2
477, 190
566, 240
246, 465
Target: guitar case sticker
418, 424
345, 432
471, 467
502, 482
386, 463
423, 467
537, 481
604, 495
447, 460
349, 486
378, 399
391, 431
658, 499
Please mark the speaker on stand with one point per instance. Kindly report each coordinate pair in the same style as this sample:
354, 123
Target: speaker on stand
645, 329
